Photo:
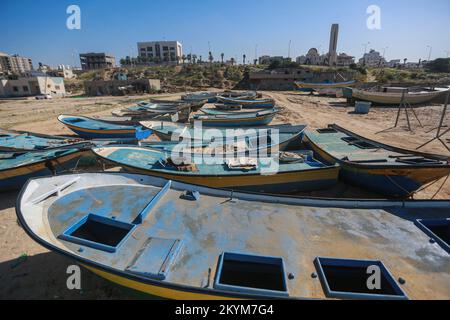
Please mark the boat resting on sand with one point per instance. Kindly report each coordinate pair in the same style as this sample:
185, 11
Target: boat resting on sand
209, 97
268, 175
288, 135
95, 129
17, 167
28, 141
249, 103
395, 98
179, 241
214, 112
324, 85
254, 119
387, 170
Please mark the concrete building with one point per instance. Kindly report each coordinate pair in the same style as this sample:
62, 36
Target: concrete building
15, 63
344, 60
332, 53
372, 59
94, 61
32, 86
270, 59
160, 51
121, 87
394, 63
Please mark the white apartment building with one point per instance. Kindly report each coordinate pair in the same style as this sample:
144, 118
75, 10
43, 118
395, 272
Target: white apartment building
372, 59
15, 63
160, 51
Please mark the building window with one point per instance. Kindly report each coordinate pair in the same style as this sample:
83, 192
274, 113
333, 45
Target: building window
49, 86
16, 89
165, 48
57, 87
149, 48
25, 88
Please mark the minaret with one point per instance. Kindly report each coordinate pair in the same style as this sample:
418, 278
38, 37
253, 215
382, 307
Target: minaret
332, 53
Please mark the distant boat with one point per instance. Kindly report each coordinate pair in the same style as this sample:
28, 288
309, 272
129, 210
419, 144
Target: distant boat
95, 129
394, 98
17, 167
254, 119
209, 97
213, 112
387, 170
301, 174
181, 241
27, 141
249, 103
324, 85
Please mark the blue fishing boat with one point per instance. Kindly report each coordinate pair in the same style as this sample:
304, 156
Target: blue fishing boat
285, 135
249, 103
214, 112
253, 119
270, 175
17, 167
181, 241
95, 129
28, 141
324, 85
209, 97
388, 170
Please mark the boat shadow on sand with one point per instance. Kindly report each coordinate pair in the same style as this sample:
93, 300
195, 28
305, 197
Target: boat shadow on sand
44, 276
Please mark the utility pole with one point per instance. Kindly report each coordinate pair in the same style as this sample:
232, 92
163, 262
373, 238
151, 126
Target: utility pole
447, 52
289, 50
429, 53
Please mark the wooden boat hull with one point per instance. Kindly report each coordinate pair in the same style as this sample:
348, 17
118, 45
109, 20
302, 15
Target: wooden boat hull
106, 130
392, 181
223, 221
237, 122
384, 98
284, 182
264, 103
317, 86
15, 178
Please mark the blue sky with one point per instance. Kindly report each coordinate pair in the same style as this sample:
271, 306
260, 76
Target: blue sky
38, 28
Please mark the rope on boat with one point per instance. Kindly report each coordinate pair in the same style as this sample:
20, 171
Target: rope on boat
411, 194
440, 188
432, 183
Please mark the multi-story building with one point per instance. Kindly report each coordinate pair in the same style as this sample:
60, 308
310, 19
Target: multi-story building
93, 61
160, 51
313, 57
372, 59
15, 63
269, 59
344, 60
32, 86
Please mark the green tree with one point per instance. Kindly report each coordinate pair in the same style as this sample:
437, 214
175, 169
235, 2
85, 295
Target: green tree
222, 55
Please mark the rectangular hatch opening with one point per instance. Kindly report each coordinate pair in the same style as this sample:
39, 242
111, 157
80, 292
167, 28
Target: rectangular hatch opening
438, 230
251, 274
98, 232
327, 130
349, 279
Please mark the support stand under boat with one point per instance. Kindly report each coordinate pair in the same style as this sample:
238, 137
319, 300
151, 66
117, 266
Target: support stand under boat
440, 127
406, 106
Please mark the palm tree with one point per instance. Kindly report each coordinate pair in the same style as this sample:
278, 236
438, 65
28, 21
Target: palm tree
194, 57
404, 61
184, 58
210, 57
232, 61
221, 56
244, 57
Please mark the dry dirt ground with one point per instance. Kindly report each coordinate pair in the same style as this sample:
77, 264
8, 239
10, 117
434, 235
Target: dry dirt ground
29, 271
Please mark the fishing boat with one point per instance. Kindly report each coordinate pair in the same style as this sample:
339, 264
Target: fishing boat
94, 129
228, 107
214, 112
249, 103
269, 175
239, 94
388, 170
17, 167
253, 119
286, 135
324, 85
209, 97
28, 141
388, 96
179, 241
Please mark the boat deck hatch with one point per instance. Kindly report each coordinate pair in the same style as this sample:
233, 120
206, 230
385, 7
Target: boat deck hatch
251, 274
155, 258
350, 139
357, 279
364, 145
327, 130
438, 230
98, 232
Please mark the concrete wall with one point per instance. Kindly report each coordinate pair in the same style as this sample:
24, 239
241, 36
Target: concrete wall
120, 87
32, 86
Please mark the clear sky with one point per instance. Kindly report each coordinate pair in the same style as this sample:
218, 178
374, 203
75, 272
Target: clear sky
37, 29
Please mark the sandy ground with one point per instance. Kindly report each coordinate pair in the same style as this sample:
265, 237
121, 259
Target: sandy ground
29, 271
